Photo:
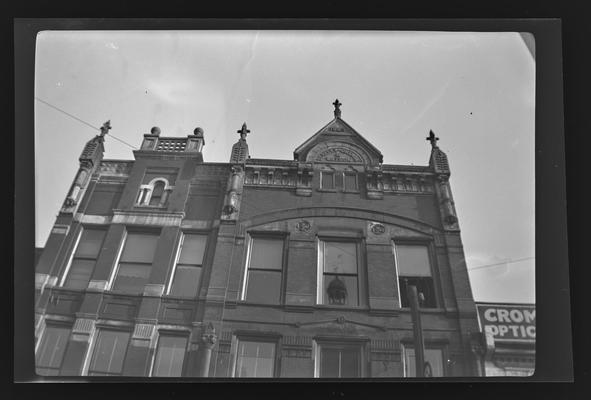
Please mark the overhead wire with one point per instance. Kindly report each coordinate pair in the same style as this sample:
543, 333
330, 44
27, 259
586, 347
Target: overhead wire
82, 121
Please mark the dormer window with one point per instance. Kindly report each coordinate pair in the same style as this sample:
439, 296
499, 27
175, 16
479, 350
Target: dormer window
155, 193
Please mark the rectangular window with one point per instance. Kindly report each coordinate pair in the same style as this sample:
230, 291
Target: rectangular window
339, 267
109, 353
327, 180
340, 361
414, 268
187, 273
265, 266
434, 358
84, 259
351, 182
51, 350
170, 356
255, 359
135, 263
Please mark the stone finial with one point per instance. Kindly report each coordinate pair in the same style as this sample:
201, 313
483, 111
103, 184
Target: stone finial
198, 131
243, 131
155, 131
337, 110
431, 138
105, 128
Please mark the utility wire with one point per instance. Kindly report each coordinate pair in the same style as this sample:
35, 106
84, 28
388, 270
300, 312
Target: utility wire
501, 263
82, 121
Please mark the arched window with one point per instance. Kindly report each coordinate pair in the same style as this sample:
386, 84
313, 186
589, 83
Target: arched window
157, 193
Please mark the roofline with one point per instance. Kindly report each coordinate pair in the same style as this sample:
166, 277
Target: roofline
367, 142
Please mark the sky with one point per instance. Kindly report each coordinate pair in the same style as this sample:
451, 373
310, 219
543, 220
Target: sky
476, 91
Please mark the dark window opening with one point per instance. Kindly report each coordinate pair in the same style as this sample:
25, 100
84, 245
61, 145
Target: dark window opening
255, 359
84, 260
157, 193
51, 350
327, 180
340, 362
109, 353
264, 275
187, 275
135, 264
340, 273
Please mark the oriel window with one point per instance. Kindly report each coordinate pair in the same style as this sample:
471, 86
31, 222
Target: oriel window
414, 268
264, 273
135, 263
50, 353
189, 266
109, 353
255, 359
84, 259
340, 276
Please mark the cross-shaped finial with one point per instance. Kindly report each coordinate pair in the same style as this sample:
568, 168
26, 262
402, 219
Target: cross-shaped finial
337, 111
243, 131
431, 138
105, 128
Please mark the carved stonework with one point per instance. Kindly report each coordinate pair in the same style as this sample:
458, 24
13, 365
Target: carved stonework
378, 229
303, 226
339, 155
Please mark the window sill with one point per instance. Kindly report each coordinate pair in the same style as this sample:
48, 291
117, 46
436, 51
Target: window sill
326, 190
143, 206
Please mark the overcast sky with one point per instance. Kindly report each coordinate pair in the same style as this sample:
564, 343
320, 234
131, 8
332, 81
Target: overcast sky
476, 91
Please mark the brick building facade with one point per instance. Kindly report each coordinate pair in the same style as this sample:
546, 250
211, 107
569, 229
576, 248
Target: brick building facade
171, 266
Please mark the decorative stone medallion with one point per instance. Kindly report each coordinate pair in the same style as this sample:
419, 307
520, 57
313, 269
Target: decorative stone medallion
303, 226
378, 229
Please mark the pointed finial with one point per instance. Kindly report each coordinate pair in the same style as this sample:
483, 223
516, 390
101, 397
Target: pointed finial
431, 138
243, 131
337, 110
105, 128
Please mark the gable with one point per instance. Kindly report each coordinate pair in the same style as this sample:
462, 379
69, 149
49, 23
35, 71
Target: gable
338, 142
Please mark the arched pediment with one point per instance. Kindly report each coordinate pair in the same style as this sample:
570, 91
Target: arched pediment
338, 142
333, 151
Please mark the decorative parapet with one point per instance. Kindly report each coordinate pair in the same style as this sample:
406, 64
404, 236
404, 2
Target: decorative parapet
304, 183
115, 167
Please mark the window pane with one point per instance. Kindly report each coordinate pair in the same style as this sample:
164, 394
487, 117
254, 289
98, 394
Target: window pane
79, 274
340, 290
186, 281
131, 278
267, 254
170, 356
433, 356
157, 193
255, 360
329, 363
109, 352
350, 363
340, 257
424, 286
139, 247
263, 286
327, 180
350, 182
413, 260
90, 243
193, 249
51, 350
